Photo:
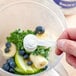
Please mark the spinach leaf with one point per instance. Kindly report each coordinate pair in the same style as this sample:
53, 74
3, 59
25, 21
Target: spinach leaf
43, 51
17, 37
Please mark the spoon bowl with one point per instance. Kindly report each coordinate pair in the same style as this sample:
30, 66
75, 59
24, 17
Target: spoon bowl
31, 42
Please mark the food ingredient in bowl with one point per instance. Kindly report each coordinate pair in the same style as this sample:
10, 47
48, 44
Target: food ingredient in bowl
21, 60
9, 65
8, 44
30, 43
39, 61
39, 30
9, 52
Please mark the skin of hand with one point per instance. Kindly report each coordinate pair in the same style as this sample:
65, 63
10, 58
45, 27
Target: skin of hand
67, 43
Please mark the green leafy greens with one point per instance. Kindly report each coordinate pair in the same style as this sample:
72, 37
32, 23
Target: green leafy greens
43, 51
17, 37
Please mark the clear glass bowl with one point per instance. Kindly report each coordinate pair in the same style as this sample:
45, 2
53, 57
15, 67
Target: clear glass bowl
58, 70
27, 15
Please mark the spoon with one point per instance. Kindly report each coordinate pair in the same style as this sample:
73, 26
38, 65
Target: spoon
31, 42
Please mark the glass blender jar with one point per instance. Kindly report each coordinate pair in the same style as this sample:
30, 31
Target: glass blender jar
27, 14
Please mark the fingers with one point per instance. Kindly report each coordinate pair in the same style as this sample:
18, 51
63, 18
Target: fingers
67, 46
58, 52
71, 33
67, 43
64, 35
67, 34
71, 60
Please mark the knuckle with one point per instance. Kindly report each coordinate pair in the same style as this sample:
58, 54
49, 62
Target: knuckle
69, 47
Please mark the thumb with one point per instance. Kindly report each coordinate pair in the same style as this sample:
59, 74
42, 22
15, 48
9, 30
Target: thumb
67, 46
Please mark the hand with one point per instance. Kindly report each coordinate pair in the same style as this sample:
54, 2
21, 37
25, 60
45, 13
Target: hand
67, 43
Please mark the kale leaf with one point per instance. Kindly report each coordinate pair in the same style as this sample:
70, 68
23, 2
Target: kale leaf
43, 51
17, 37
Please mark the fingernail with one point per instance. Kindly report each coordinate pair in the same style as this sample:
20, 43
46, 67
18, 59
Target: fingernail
60, 43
